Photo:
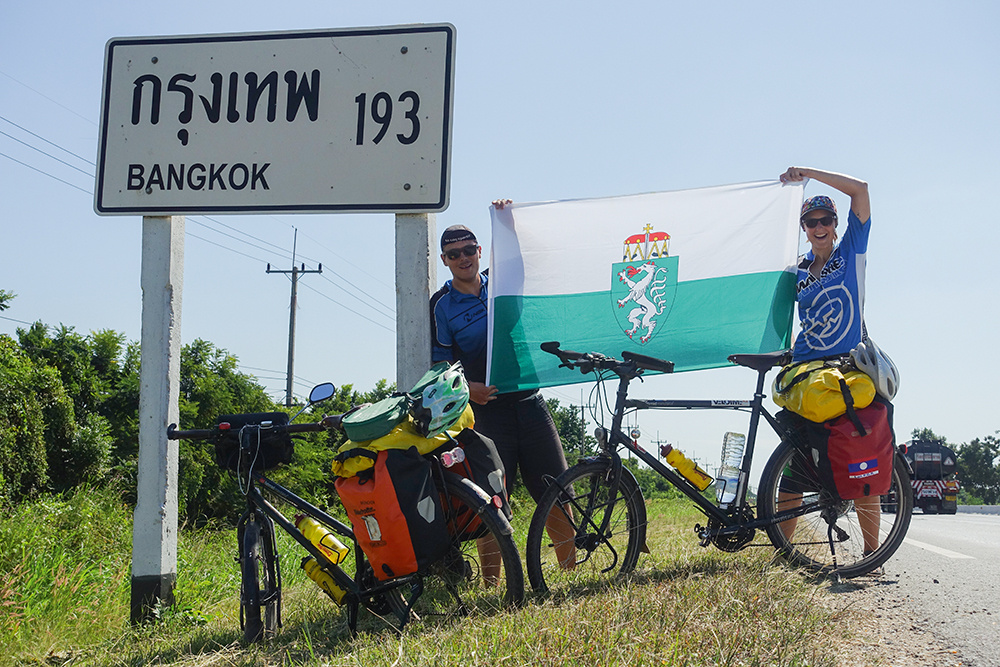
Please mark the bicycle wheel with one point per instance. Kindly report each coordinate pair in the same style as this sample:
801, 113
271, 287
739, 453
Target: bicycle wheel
481, 571
259, 590
789, 480
567, 528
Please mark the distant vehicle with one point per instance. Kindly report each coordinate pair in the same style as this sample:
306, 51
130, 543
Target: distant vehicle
935, 486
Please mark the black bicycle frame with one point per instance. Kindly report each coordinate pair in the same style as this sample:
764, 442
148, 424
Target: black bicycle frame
256, 501
731, 522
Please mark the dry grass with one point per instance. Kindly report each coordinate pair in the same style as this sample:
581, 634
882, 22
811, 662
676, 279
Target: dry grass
684, 606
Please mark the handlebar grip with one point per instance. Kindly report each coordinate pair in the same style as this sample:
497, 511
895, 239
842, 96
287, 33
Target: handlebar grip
551, 346
650, 363
194, 434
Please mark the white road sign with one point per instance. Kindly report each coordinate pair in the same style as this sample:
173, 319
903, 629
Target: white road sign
317, 121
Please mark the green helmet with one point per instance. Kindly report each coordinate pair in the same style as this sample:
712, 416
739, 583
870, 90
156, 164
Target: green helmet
442, 402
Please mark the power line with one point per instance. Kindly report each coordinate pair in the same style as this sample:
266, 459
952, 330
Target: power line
4, 317
217, 245
23, 164
48, 98
24, 143
252, 245
346, 261
287, 255
37, 136
364, 317
374, 300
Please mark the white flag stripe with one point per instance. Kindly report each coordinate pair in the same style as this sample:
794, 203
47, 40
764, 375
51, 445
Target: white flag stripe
563, 247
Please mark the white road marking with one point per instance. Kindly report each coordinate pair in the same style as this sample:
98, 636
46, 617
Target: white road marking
937, 550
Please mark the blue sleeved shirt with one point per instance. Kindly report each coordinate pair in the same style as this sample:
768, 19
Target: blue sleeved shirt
459, 328
832, 307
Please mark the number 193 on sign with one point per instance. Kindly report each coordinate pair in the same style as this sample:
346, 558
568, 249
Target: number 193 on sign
381, 112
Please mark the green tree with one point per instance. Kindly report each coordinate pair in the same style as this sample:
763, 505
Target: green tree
572, 430
92, 374
978, 469
36, 423
5, 299
927, 435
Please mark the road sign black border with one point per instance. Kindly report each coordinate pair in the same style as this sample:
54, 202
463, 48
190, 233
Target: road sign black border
435, 207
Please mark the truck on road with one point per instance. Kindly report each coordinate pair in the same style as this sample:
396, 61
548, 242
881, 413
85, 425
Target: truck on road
935, 485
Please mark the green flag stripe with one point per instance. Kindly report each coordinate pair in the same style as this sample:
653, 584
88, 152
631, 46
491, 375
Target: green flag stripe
737, 314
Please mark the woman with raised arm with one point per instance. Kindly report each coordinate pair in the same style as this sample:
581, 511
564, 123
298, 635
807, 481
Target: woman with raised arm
830, 290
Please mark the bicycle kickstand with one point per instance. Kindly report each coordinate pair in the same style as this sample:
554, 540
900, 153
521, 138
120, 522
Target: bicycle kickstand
833, 550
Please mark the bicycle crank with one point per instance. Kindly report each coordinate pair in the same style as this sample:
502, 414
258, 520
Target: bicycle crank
728, 538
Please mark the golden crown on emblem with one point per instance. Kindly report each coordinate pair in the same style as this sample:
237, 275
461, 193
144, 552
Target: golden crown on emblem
648, 245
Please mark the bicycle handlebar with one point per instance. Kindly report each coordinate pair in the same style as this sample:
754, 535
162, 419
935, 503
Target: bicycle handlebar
633, 363
328, 422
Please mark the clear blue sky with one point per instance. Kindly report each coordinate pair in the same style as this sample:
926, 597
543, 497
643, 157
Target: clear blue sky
553, 101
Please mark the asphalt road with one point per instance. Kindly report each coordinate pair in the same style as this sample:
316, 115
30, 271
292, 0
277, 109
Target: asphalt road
948, 569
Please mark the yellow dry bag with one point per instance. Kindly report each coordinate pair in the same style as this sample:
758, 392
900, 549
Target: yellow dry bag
816, 390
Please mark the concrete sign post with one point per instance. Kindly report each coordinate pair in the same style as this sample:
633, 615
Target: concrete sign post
353, 120
154, 528
416, 280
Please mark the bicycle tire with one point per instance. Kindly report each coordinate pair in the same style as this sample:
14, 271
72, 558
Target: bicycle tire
455, 585
808, 544
597, 561
258, 606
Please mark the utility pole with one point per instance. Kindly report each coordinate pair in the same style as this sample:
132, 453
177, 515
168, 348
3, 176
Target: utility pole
291, 316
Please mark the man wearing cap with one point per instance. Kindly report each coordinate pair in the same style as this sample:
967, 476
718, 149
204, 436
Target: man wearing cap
518, 422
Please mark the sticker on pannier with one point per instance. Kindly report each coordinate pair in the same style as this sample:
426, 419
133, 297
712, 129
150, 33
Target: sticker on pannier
396, 514
267, 450
855, 463
474, 456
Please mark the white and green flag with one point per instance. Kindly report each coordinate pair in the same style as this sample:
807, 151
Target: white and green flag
691, 276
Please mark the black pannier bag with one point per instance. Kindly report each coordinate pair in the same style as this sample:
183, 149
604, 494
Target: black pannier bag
480, 463
267, 451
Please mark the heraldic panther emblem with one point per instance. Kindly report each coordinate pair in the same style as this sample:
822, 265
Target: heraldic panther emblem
644, 285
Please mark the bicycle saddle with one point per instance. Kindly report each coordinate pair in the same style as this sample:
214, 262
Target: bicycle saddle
762, 362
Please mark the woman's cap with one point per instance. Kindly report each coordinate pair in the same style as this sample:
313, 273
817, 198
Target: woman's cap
455, 234
818, 203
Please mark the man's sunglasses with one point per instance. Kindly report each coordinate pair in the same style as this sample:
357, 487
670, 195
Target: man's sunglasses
826, 221
468, 251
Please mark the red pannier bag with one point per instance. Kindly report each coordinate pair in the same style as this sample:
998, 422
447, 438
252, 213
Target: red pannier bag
854, 456
395, 511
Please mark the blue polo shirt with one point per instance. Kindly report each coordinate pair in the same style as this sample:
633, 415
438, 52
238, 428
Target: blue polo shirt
458, 328
832, 307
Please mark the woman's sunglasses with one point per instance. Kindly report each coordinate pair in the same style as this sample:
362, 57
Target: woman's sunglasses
826, 221
468, 251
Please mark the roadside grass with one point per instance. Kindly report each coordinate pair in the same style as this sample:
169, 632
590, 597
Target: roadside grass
64, 599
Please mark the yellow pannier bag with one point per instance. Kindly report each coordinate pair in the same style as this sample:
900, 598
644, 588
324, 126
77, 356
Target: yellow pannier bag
403, 436
815, 389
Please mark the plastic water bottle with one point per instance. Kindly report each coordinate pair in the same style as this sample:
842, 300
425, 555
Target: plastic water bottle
322, 538
688, 469
729, 473
324, 579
